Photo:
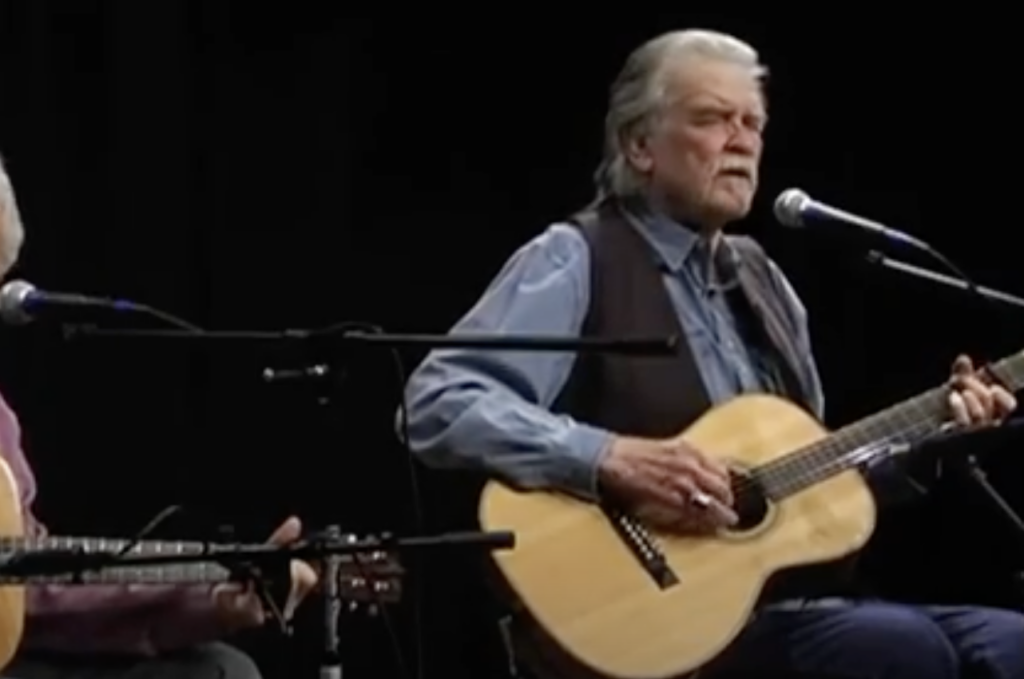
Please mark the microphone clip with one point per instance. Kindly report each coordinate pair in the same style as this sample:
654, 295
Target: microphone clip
321, 379
309, 374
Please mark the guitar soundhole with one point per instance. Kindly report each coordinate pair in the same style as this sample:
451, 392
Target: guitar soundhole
751, 501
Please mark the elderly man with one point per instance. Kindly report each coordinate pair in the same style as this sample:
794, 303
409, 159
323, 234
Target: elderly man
137, 632
648, 258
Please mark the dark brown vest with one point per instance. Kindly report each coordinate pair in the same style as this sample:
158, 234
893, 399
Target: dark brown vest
660, 396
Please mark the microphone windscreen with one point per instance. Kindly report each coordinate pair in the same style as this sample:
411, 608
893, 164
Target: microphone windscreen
789, 207
12, 301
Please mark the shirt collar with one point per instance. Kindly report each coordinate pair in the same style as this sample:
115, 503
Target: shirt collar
673, 242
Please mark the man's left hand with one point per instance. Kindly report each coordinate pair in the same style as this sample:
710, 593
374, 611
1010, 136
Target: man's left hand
972, 402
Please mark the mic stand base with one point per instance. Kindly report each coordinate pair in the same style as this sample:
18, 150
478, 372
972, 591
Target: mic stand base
996, 500
977, 475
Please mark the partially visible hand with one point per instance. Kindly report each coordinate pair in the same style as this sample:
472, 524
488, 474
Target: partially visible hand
670, 483
972, 402
241, 607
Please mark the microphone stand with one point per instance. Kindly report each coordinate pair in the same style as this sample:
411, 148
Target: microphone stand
970, 467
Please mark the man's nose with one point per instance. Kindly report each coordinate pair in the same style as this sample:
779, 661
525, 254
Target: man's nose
744, 140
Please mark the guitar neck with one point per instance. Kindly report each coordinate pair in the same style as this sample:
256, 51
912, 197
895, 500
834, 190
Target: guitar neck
185, 573
853, 445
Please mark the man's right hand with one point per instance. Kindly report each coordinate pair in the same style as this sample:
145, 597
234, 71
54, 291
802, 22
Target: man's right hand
669, 483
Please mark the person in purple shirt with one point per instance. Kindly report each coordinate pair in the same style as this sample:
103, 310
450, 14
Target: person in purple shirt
131, 631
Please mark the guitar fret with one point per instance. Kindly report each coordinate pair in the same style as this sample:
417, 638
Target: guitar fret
195, 572
854, 445
1009, 371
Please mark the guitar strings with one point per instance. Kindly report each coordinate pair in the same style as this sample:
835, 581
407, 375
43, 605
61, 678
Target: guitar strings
804, 466
911, 419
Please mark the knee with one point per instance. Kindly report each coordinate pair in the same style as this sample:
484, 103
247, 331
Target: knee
225, 662
880, 641
898, 643
997, 643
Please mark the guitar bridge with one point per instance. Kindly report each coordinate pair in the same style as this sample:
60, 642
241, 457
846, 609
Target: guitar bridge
643, 547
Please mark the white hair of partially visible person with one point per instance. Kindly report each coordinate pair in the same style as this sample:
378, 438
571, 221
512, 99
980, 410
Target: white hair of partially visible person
12, 231
641, 92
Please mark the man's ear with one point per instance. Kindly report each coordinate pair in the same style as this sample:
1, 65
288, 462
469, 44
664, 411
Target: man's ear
636, 148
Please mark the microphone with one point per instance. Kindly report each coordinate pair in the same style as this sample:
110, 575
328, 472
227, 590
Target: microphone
794, 208
20, 302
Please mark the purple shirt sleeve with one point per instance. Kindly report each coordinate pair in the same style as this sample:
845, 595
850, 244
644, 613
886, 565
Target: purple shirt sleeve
120, 619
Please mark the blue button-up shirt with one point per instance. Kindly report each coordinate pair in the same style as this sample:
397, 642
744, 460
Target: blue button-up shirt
489, 410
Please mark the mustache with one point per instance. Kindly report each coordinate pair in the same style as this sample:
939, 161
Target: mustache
738, 169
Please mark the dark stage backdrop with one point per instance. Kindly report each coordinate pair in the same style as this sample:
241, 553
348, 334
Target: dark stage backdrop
299, 165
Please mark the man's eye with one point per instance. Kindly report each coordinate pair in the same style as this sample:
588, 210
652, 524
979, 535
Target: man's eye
711, 118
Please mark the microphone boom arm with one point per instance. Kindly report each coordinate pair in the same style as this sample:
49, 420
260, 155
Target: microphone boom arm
878, 258
637, 346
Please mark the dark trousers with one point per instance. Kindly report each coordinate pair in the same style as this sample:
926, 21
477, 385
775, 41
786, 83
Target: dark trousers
877, 640
860, 640
210, 661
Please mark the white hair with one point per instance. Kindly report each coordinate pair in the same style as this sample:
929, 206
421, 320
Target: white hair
12, 232
641, 91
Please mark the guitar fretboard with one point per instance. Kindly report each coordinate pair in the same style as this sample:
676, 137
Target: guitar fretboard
908, 422
196, 572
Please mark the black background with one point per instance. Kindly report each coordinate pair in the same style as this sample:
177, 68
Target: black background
294, 165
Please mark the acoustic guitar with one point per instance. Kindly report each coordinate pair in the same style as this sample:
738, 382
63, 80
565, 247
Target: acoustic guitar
627, 601
370, 579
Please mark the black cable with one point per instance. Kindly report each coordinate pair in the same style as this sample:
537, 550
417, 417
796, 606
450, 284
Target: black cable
124, 305
147, 530
164, 316
418, 522
242, 572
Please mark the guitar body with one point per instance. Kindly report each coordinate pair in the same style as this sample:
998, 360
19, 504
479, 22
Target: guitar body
584, 586
12, 597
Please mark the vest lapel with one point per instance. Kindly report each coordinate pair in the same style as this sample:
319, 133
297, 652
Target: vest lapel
640, 395
771, 321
